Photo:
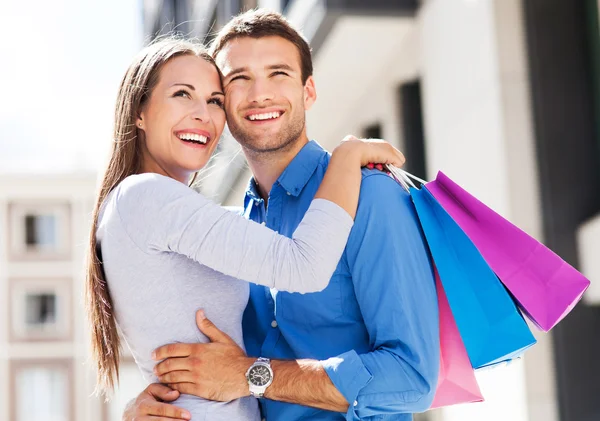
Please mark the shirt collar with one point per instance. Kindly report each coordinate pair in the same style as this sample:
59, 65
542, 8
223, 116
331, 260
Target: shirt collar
298, 172
252, 191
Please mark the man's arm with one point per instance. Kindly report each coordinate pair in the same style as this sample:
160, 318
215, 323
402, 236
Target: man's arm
395, 289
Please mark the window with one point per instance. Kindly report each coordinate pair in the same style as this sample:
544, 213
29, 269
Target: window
41, 391
39, 231
372, 132
40, 310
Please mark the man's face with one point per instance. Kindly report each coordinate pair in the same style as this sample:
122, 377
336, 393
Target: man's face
265, 99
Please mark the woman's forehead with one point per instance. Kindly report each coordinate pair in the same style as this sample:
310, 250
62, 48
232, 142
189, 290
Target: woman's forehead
189, 69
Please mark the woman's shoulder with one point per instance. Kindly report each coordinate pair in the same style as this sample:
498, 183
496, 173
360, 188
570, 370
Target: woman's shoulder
146, 183
149, 188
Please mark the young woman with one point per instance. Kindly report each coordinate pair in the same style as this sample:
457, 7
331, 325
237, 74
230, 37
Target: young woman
163, 251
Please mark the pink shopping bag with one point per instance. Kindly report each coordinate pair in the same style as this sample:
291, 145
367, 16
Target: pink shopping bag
545, 286
456, 382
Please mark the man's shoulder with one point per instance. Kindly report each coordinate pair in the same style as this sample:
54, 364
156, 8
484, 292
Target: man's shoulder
377, 185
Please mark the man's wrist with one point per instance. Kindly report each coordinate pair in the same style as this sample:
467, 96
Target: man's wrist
243, 364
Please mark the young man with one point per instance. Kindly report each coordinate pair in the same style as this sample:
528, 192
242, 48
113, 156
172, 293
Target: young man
366, 347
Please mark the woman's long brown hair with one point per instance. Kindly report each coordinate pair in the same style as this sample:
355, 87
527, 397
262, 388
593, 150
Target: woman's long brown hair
125, 160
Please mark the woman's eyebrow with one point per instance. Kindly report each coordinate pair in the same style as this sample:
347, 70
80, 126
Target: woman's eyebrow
191, 87
218, 93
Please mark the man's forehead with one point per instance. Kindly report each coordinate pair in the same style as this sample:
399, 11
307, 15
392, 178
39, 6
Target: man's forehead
257, 53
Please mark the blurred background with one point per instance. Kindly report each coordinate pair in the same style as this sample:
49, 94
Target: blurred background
503, 95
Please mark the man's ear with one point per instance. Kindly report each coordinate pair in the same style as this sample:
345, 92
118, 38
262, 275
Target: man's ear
310, 93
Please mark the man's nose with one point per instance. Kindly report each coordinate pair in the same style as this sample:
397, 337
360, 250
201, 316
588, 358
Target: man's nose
261, 91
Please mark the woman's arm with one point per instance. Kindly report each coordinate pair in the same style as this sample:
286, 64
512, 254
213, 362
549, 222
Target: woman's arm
160, 214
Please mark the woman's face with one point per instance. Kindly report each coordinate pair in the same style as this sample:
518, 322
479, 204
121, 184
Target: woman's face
183, 118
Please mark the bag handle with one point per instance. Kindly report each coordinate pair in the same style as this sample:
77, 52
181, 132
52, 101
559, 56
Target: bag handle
404, 178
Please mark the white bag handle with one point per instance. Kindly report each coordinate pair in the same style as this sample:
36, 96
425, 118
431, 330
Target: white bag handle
404, 178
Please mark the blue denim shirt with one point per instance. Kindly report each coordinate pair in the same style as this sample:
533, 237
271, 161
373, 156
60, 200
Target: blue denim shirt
375, 327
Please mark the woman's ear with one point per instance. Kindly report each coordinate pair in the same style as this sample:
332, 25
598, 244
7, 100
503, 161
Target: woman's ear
139, 122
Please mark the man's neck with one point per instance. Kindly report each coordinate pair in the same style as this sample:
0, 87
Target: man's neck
266, 167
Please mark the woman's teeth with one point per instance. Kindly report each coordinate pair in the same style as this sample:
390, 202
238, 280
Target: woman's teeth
192, 137
265, 116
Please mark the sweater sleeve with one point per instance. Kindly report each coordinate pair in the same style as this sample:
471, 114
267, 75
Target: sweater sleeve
160, 215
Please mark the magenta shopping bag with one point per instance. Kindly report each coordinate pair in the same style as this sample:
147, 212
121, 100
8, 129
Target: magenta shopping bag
544, 285
456, 381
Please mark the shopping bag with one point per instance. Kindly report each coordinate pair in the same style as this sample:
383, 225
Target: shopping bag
488, 320
456, 380
545, 286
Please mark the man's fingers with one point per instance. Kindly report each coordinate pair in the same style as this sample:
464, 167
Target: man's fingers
164, 410
174, 377
161, 392
210, 330
172, 364
187, 388
172, 350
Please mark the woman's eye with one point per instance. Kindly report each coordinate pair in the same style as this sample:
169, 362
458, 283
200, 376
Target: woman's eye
182, 93
217, 101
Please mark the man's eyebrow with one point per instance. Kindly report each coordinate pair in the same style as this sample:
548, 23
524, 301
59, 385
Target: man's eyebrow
236, 71
281, 66
191, 87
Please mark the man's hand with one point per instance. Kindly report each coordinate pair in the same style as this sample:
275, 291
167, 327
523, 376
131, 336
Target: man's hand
149, 406
215, 371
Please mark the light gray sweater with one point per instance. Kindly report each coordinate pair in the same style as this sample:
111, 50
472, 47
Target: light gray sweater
168, 251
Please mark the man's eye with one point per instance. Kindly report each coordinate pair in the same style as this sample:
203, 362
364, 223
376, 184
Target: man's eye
278, 73
182, 93
242, 77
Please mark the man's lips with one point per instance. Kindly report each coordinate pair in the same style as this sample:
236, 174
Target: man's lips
263, 115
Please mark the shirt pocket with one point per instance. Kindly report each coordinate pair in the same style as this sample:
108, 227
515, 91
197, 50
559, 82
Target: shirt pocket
315, 309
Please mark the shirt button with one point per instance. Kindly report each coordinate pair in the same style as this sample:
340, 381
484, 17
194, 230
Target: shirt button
355, 403
263, 223
273, 323
289, 194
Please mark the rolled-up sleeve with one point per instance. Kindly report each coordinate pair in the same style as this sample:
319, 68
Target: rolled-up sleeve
395, 290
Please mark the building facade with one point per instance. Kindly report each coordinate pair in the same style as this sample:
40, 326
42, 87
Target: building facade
45, 370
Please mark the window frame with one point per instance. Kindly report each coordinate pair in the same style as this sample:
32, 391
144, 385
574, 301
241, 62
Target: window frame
17, 238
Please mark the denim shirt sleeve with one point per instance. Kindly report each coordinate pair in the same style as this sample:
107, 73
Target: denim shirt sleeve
395, 289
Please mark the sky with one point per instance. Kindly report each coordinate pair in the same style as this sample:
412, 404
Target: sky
61, 62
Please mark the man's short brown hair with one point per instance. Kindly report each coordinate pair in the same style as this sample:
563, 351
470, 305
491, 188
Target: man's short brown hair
261, 23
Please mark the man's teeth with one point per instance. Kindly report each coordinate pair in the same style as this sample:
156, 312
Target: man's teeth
194, 137
265, 116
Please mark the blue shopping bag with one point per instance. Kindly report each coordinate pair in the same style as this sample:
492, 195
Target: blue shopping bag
492, 328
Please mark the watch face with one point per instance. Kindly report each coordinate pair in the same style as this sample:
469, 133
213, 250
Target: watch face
259, 375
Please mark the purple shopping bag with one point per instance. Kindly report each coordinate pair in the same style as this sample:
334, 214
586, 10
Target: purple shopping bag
544, 285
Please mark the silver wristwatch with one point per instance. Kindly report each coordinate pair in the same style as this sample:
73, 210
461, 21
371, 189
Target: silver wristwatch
259, 376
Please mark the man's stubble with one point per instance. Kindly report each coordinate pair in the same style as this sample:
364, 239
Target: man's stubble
267, 146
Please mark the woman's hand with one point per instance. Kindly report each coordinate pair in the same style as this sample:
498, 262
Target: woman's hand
150, 405
374, 153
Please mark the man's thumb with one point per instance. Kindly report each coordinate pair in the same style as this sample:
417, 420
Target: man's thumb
209, 329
